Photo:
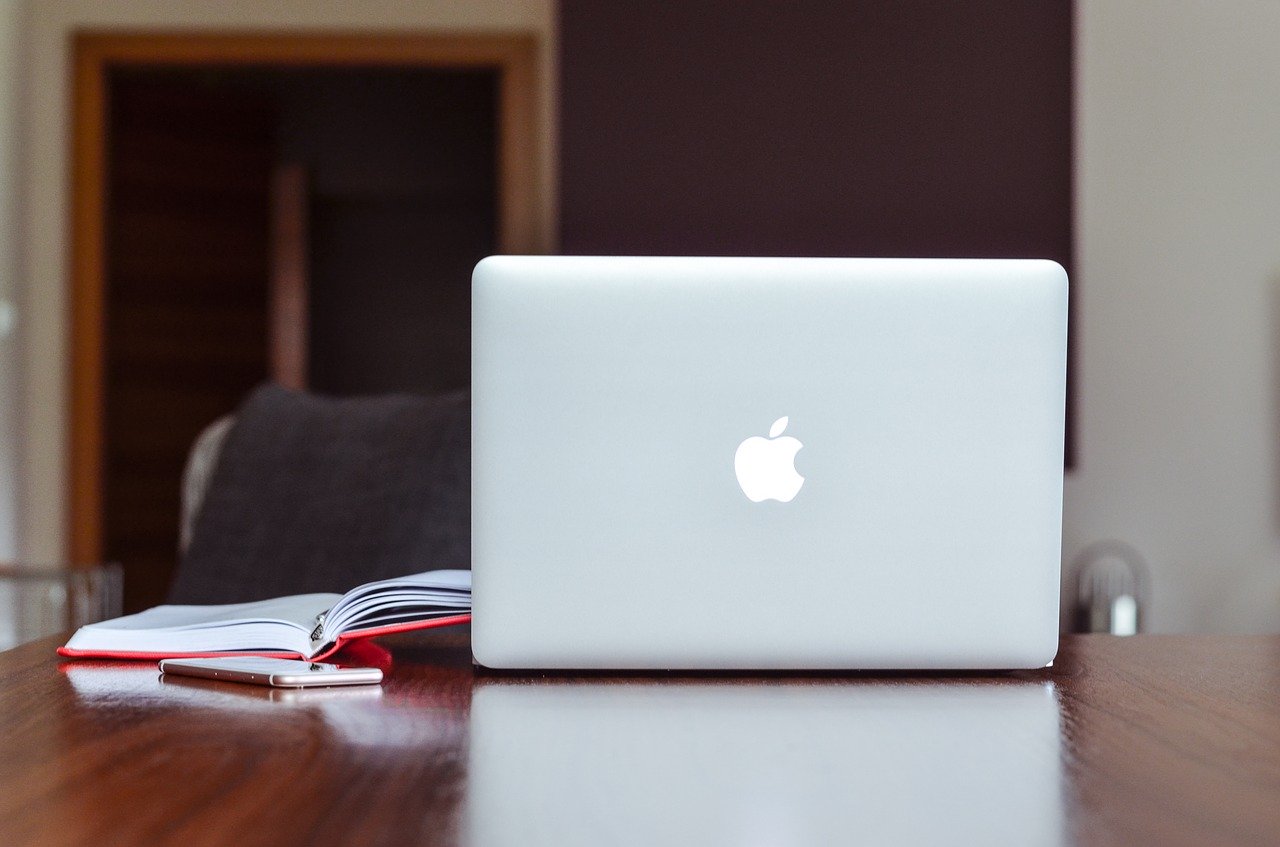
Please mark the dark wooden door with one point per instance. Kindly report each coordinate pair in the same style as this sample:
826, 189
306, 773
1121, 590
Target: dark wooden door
187, 264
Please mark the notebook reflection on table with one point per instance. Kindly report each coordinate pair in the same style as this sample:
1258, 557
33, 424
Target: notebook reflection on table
359, 716
933, 763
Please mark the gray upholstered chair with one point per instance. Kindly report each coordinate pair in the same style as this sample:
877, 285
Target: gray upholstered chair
298, 493
195, 477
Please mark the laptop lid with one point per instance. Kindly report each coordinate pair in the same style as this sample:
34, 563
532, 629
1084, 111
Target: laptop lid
766, 463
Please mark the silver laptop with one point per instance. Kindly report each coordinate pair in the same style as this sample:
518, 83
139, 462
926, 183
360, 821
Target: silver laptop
716, 463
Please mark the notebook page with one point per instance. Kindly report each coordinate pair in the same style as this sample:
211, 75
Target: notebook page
251, 636
300, 609
359, 613
280, 624
451, 588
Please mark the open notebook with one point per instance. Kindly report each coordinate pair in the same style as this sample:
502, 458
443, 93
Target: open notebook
307, 626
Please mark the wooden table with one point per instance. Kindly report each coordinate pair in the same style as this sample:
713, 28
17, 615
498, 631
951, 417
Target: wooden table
1146, 740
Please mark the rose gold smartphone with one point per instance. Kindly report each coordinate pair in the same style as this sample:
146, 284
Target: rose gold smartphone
278, 673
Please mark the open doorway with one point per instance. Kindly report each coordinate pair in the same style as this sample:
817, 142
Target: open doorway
279, 212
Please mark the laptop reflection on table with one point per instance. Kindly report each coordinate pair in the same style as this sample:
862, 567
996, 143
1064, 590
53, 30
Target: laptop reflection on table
742, 763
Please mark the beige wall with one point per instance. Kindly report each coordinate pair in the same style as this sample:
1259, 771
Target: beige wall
45, 126
1178, 239
10, 28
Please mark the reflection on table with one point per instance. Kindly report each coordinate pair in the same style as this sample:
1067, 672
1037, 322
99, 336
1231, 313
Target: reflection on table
748, 764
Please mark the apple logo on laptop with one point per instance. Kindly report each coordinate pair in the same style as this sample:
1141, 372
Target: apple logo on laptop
766, 467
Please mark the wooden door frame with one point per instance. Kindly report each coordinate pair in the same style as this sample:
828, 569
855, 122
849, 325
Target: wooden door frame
521, 139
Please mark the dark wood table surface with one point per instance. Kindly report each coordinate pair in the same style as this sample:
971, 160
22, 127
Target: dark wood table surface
1146, 740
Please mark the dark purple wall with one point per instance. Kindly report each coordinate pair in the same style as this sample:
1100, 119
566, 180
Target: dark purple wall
817, 128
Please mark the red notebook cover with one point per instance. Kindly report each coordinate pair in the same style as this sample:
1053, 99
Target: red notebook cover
343, 640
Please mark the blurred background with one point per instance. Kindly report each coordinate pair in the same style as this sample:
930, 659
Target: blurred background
195, 197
